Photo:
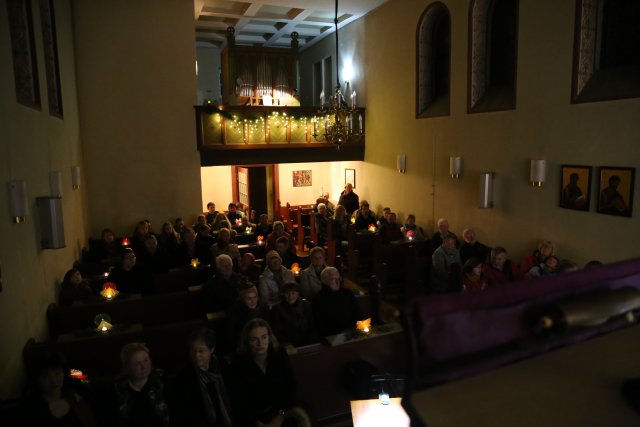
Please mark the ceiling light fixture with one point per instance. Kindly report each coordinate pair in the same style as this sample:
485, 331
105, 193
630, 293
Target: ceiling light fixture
341, 122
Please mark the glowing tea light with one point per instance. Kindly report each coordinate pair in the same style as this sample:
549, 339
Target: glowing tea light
260, 239
195, 263
295, 268
353, 220
364, 325
105, 274
109, 291
104, 326
372, 228
78, 374
125, 242
248, 230
238, 221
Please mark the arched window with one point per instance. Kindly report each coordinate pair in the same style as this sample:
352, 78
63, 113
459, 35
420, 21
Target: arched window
433, 47
606, 53
493, 48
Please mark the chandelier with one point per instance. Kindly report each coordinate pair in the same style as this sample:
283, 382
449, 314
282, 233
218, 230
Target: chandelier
341, 123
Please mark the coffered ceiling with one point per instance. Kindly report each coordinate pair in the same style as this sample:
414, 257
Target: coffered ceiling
271, 22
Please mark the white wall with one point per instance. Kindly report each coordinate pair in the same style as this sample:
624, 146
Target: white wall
33, 143
208, 74
216, 186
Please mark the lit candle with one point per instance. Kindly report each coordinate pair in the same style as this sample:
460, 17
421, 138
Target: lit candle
125, 242
109, 291
195, 263
104, 327
260, 239
321, 98
364, 325
372, 228
353, 99
295, 268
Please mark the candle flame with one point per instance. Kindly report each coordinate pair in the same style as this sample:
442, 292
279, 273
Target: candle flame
364, 325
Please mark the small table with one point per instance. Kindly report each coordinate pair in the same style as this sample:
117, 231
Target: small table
372, 413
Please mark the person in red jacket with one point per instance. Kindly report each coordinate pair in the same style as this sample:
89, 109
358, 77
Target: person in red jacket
501, 270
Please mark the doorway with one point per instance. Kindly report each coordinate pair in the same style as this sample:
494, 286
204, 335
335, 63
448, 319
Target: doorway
255, 187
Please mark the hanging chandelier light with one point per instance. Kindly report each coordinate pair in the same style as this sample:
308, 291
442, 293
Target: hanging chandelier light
341, 123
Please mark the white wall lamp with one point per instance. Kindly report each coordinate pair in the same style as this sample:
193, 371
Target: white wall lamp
538, 172
486, 190
402, 163
75, 177
18, 202
455, 167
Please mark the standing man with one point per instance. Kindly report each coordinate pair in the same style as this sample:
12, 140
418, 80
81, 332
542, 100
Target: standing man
349, 199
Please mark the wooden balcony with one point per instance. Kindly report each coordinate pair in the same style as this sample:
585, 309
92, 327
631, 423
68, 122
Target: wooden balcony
229, 135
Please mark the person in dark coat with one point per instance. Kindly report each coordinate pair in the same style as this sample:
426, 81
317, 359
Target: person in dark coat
262, 381
292, 318
334, 308
130, 277
349, 199
199, 397
221, 291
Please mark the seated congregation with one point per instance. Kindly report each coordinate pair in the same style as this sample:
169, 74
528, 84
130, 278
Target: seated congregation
256, 292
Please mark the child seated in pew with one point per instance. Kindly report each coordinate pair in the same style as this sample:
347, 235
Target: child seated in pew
51, 399
74, 288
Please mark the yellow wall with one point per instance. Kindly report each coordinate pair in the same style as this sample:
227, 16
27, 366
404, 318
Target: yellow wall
544, 125
137, 88
33, 143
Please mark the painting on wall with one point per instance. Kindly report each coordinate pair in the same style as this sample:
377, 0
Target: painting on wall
302, 178
575, 188
52, 66
615, 195
25, 68
350, 177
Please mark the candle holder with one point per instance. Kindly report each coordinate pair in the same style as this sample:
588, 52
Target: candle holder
109, 291
103, 323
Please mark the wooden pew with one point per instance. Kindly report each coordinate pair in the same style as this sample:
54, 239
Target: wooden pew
147, 310
360, 255
319, 371
182, 278
99, 355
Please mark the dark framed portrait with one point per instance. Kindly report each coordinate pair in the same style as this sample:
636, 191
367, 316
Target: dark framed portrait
615, 190
350, 177
575, 187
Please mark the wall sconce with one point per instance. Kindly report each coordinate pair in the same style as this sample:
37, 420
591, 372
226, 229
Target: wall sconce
402, 163
486, 190
538, 172
75, 177
18, 203
455, 167
55, 183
